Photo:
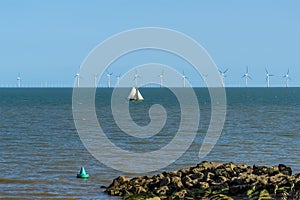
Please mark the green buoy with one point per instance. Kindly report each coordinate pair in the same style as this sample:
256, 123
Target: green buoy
82, 173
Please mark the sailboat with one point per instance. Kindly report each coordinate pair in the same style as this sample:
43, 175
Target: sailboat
135, 95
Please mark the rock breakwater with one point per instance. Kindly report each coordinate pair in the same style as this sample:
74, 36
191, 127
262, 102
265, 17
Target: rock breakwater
209, 180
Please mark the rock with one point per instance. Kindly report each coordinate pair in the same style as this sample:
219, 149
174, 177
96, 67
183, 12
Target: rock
242, 169
276, 179
219, 187
207, 166
153, 198
139, 190
179, 195
272, 171
297, 181
261, 183
185, 171
175, 173
197, 175
187, 182
162, 190
260, 170
176, 184
235, 190
222, 179
209, 176
202, 185
285, 170
164, 181
119, 181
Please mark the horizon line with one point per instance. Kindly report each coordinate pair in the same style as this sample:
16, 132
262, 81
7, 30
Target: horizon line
69, 87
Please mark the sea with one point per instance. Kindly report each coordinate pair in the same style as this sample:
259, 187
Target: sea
41, 151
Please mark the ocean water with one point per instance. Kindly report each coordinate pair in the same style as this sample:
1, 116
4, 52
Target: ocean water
41, 152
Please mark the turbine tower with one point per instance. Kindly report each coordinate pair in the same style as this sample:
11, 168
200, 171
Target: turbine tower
183, 79
161, 77
204, 78
108, 78
136, 76
19, 80
223, 77
95, 80
287, 78
77, 76
118, 79
268, 78
246, 76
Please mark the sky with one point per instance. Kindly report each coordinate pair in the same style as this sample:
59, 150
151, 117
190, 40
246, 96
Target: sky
46, 41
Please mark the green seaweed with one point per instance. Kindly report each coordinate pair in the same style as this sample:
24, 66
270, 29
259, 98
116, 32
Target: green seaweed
250, 192
199, 193
224, 191
139, 196
264, 194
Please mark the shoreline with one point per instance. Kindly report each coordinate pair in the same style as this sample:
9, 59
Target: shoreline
210, 180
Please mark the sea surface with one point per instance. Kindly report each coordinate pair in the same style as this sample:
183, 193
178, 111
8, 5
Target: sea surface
41, 151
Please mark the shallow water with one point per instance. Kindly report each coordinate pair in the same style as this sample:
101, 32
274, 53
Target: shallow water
41, 152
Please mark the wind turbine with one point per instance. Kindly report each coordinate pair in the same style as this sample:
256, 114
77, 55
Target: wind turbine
246, 76
268, 78
108, 78
95, 80
287, 78
19, 80
161, 76
223, 76
204, 78
118, 79
136, 76
77, 76
183, 78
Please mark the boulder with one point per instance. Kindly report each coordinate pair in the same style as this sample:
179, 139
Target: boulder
285, 170
164, 181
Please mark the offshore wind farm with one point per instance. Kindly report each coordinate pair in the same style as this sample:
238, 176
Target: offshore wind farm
105, 80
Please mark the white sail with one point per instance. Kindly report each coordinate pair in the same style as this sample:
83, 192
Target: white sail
139, 96
132, 94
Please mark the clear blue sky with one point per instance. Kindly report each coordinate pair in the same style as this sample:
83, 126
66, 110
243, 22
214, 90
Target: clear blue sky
46, 41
